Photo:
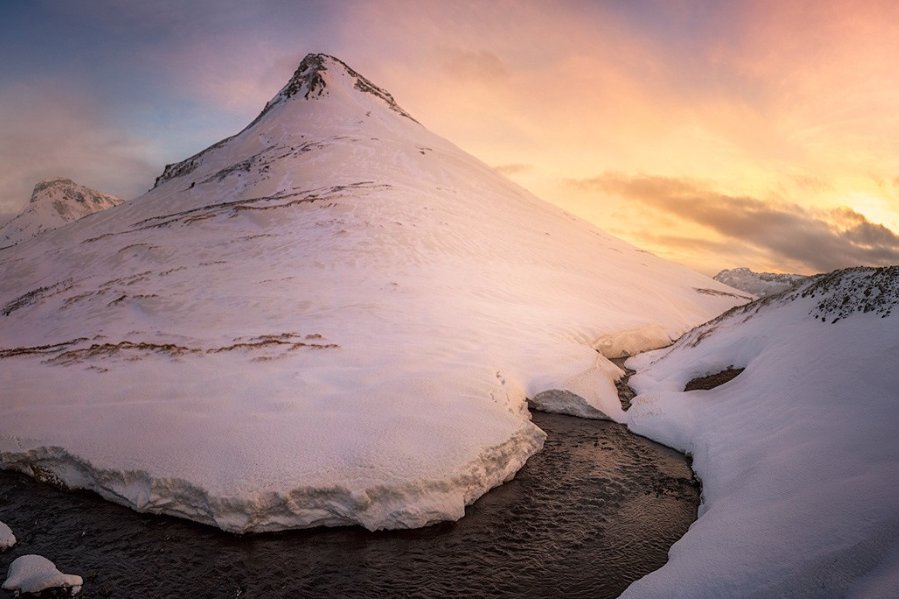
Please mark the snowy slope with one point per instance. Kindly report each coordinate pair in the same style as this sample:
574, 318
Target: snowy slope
760, 284
54, 202
798, 455
333, 317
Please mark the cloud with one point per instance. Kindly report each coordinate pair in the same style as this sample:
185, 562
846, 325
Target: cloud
513, 169
788, 231
49, 133
479, 65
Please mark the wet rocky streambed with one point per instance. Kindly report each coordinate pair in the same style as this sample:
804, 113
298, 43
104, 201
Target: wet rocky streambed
595, 510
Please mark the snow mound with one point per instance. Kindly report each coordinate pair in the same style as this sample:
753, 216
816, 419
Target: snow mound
798, 454
332, 317
33, 574
7, 538
54, 202
760, 284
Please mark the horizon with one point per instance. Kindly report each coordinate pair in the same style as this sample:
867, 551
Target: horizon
709, 135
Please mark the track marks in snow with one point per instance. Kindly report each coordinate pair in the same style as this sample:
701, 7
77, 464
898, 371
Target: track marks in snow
37, 295
67, 353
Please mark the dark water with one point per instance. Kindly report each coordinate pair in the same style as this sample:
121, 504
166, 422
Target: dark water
597, 509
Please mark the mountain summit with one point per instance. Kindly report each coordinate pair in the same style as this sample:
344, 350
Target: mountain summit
332, 317
54, 202
318, 77
311, 78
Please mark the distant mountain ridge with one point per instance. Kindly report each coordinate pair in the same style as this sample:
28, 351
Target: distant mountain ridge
54, 203
760, 284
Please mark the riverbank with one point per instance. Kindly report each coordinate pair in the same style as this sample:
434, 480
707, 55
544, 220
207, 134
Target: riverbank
597, 509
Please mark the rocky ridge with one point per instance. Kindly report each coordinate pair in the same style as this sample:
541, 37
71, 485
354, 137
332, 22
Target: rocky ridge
758, 283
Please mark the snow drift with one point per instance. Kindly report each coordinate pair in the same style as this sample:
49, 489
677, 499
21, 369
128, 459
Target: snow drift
798, 455
332, 317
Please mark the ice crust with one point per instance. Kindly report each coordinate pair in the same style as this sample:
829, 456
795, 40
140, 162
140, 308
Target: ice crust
333, 317
33, 574
798, 455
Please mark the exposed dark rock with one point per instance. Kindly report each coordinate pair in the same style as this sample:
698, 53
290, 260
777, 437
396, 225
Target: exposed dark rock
625, 393
713, 380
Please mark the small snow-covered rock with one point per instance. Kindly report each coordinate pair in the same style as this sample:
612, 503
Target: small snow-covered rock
559, 401
33, 574
7, 539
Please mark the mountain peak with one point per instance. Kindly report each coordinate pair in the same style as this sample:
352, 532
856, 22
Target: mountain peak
308, 79
70, 200
317, 71
317, 77
43, 185
54, 202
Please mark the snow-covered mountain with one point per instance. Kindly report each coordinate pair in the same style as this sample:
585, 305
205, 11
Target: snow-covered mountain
332, 317
798, 455
760, 284
54, 202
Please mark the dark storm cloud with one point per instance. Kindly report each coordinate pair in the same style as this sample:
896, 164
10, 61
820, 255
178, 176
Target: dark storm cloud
789, 231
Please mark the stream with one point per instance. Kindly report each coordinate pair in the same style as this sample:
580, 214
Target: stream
598, 508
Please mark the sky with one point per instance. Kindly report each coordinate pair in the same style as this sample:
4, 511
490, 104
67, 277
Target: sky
717, 133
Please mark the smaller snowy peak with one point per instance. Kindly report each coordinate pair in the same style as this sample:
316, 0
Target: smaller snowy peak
54, 202
758, 283
71, 200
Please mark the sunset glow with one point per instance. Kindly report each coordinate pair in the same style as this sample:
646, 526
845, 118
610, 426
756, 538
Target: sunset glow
760, 134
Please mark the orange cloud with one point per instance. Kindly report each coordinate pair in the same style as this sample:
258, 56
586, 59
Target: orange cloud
786, 230
784, 102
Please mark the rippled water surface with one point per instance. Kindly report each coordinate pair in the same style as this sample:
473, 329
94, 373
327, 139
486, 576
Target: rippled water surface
595, 510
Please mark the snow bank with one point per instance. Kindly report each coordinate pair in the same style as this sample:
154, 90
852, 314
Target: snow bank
7, 538
798, 455
627, 343
33, 574
333, 317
